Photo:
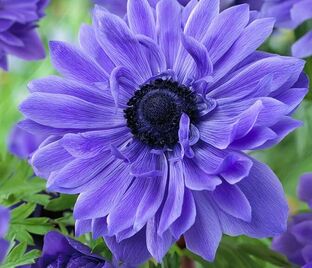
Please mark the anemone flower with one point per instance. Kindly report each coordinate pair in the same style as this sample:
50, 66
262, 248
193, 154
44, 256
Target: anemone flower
296, 242
151, 120
18, 34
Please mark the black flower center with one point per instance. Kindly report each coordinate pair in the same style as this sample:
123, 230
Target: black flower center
155, 110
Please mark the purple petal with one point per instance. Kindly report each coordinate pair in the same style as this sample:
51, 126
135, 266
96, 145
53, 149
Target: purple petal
119, 43
289, 246
4, 221
204, 236
304, 188
59, 85
302, 48
33, 48
224, 30
132, 251
50, 158
63, 111
99, 227
154, 54
173, 205
141, 18
90, 144
169, 23
184, 133
196, 179
74, 64
112, 178
301, 12
268, 205
22, 143
122, 216
202, 65
78, 173
157, 245
249, 40
153, 197
122, 85
201, 17
187, 217
302, 232
307, 255
91, 46
233, 201
4, 246
82, 227
235, 167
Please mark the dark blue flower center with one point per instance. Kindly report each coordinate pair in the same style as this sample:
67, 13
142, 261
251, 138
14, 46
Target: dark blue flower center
154, 112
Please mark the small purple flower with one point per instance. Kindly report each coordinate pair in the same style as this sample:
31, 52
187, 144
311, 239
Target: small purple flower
290, 14
151, 121
4, 224
18, 34
62, 251
296, 243
22, 143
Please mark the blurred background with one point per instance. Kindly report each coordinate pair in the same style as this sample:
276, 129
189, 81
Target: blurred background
289, 159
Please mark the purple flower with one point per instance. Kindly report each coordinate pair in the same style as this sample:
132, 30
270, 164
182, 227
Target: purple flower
22, 143
151, 121
296, 243
4, 224
290, 14
62, 251
18, 35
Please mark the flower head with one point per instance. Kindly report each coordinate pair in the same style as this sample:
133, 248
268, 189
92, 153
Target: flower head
22, 143
290, 14
150, 123
296, 243
18, 35
62, 251
4, 224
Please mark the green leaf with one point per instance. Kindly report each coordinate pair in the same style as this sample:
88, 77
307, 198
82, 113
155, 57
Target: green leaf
18, 256
17, 183
38, 226
101, 248
171, 260
265, 254
22, 212
21, 226
61, 203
